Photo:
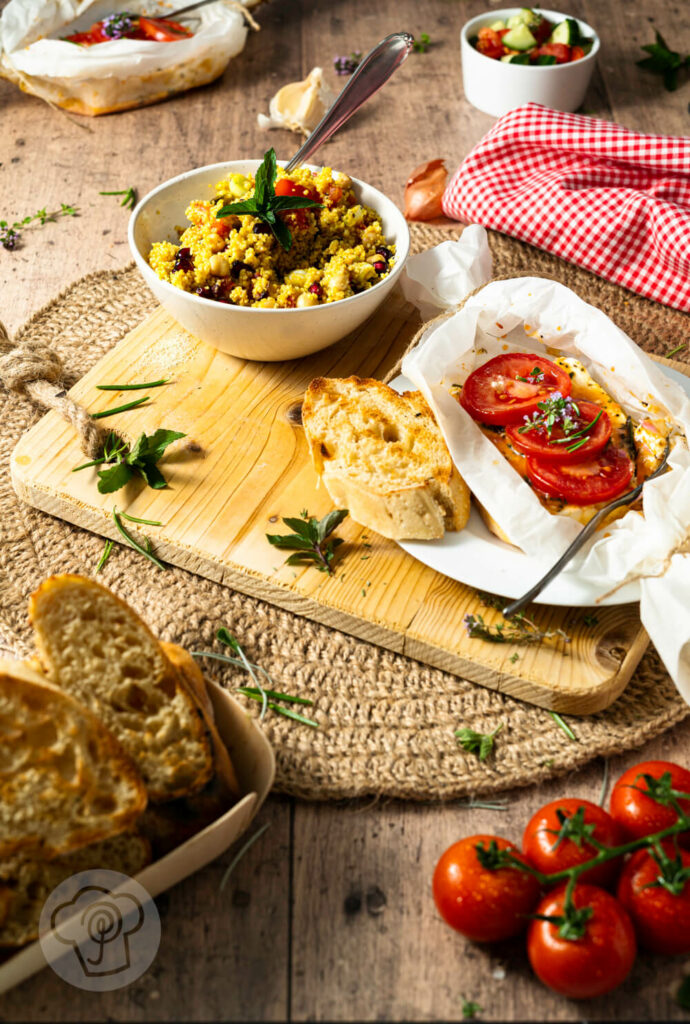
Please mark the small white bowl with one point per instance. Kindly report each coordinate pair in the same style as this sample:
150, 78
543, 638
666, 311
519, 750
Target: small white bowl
246, 332
495, 88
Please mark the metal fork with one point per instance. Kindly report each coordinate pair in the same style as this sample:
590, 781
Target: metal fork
625, 499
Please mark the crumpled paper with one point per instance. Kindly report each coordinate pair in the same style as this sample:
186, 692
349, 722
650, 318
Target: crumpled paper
514, 315
119, 74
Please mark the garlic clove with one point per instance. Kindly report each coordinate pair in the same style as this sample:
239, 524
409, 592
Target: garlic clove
299, 106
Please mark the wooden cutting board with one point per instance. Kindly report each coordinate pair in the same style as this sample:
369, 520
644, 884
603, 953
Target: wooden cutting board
244, 464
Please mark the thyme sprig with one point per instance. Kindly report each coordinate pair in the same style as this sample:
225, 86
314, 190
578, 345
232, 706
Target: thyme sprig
554, 410
127, 463
310, 539
266, 205
10, 234
518, 630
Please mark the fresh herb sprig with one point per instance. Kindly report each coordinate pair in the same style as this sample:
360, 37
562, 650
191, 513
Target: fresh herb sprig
518, 630
126, 463
10, 234
120, 408
266, 205
563, 725
147, 551
470, 1009
134, 387
347, 65
553, 411
479, 743
130, 196
310, 539
422, 44
663, 61
266, 697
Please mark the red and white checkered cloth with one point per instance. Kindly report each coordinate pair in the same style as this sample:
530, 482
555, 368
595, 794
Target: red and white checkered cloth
611, 200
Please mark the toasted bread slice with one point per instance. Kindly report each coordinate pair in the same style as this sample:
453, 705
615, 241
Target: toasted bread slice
28, 883
97, 648
224, 782
382, 456
65, 780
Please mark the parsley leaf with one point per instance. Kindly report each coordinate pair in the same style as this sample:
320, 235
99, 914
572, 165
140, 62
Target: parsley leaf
478, 743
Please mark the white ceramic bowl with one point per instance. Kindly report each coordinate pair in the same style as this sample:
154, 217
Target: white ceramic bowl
495, 88
245, 332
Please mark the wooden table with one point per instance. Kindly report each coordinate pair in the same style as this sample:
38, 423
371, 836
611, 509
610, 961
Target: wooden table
329, 916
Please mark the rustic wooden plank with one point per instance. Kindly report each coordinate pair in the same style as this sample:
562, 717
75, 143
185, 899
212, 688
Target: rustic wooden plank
223, 955
245, 465
369, 944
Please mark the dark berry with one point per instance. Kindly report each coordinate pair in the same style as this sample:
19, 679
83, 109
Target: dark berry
383, 251
261, 229
184, 259
316, 289
380, 266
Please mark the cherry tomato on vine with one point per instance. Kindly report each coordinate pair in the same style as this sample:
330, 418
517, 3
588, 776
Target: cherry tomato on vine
661, 918
556, 839
638, 814
504, 389
482, 903
599, 961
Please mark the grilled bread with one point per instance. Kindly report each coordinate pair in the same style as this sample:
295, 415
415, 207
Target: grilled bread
65, 780
382, 456
26, 884
96, 648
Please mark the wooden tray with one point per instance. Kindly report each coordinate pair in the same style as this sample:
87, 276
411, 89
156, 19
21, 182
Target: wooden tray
244, 464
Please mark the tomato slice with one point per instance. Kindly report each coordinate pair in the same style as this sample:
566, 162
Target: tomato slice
561, 51
161, 30
288, 187
600, 478
93, 35
504, 389
555, 447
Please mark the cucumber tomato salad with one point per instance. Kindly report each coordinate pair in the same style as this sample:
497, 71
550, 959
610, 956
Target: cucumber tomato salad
530, 38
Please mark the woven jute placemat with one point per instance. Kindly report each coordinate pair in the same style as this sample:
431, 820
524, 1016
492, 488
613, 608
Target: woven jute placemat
386, 722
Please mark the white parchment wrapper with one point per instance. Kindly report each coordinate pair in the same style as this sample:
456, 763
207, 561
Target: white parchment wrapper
116, 74
513, 316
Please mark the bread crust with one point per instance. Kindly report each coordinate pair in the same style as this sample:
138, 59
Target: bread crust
58, 758
428, 497
164, 731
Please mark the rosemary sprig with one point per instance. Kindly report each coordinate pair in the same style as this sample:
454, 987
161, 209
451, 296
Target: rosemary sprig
250, 691
105, 556
147, 552
228, 640
240, 854
287, 712
479, 743
120, 408
518, 630
135, 519
309, 539
266, 205
130, 196
563, 725
126, 463
133, 387
10, 234
675, 351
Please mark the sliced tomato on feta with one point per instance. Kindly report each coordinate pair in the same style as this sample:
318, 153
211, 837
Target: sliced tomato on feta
589, 432
599, 479
507, 388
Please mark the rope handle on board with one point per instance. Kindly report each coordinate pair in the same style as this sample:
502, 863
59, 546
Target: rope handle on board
35, 369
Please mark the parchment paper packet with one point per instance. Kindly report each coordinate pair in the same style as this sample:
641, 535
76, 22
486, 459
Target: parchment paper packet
526, 315
119, 74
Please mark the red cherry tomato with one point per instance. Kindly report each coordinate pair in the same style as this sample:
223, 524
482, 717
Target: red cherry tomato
542, 847
661, 919
483, 904
597, 479
553, 447
577, 53
586, 967
162, 30
561, 51
506, 388
638, 814
288, 187
489, 42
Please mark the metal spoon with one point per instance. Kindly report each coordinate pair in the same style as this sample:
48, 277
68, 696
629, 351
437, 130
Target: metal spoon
373, 72
625, 499
183, 11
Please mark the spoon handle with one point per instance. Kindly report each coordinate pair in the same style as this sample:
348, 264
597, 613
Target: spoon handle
373, 72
